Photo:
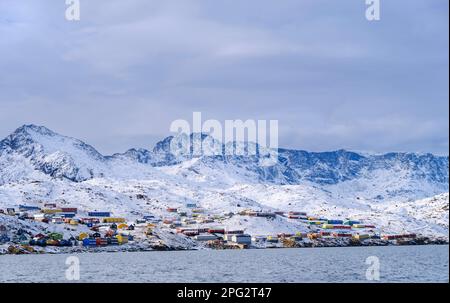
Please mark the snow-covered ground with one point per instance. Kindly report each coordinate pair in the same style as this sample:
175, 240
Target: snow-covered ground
133, 199
397, 193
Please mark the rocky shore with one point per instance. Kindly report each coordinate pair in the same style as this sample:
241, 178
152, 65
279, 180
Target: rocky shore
16, 249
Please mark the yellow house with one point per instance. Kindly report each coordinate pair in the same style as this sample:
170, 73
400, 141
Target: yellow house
328, 226
51, 211
122, 226
122, 239
113, 220
359, 225
361, 236
83, 236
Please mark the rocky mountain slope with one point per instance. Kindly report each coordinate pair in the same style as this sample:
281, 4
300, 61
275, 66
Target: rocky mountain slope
37, 164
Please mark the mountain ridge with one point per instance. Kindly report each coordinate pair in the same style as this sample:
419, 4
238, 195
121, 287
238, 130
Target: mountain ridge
398, 192
69, 158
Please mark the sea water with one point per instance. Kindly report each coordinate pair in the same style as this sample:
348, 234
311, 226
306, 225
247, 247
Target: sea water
341, 264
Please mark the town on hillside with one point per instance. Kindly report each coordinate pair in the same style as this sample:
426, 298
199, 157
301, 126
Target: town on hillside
52, 228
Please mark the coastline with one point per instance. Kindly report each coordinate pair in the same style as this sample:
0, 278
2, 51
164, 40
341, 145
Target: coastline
20, 250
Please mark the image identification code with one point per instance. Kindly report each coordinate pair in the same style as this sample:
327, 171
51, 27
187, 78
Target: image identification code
226, 292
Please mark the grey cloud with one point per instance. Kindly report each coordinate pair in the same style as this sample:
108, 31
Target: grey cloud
120, 76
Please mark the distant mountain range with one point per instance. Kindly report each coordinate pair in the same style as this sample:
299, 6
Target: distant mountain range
64, 157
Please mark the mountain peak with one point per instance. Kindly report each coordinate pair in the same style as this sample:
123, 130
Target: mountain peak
31, 126
27, 134
27, 128
54, 154
140, 155
61, 156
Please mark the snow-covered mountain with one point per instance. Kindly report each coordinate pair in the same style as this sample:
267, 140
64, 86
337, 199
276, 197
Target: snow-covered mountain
38, 165
52, 154
63, 157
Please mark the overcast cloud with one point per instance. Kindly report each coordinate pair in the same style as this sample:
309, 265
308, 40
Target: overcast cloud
120, 76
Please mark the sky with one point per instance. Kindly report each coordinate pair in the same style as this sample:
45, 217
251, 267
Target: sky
117, 78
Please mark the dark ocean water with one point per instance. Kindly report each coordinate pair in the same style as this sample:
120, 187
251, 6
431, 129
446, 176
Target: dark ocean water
396, 264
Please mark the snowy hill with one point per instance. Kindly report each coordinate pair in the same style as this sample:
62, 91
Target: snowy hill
53, 154
63, 157
38, 165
